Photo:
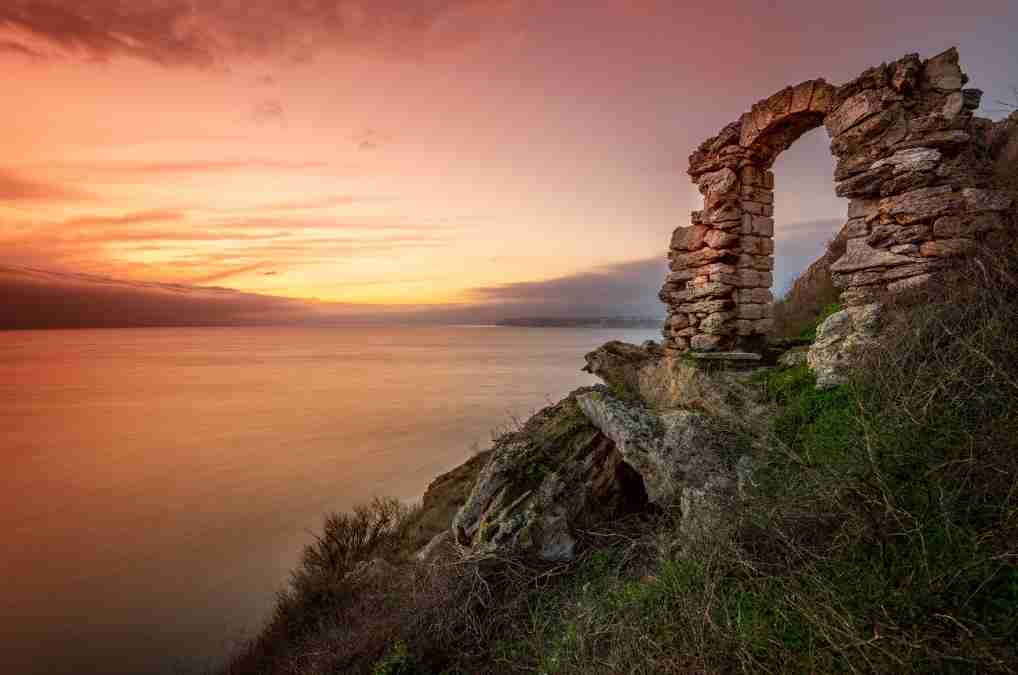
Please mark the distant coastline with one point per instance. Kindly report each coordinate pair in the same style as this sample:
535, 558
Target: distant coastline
583, 322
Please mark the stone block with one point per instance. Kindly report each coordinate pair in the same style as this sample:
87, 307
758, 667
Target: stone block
884, 236
856, 227
750, 311
720, 239
909, 283
869, 132
704, 256
854, 110
689, 238
953, 106
723, 212
866, 184
710, 289
921, 204
911, 159
757, 194
860, 256
986, 200
717, 182
762, 226
823, 97
755, 245
718, 323
752, 176
756, 262
863, 208
943, 72
947, 248
802, 94
757, 208
706, 343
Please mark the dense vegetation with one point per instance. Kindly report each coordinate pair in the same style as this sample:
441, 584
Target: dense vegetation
879, 534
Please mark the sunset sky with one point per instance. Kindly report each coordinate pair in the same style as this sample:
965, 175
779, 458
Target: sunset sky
418, 153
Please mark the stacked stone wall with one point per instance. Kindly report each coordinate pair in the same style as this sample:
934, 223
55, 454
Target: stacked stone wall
911, 158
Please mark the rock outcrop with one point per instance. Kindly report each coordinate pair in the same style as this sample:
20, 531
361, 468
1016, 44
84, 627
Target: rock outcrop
913, 160
659, 433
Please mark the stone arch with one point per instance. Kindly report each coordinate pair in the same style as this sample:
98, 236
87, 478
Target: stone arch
911, 158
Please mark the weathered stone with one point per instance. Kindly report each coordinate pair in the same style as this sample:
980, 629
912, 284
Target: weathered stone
839, 337
723, 212
860, 256
910, 283
986, 200
905, 249
852, 111
699, 258
755, 295
883, 275
756, 245
718, 323
706, 306
871, 130
936, 139
911, 159
756, 262
751, 311
947, 248
802, 94
793, 357
863, 208
823, 97
865, 184
920, 204
757, 194
948, 227
716, 183
943, 71
856, 227
706, 343
720, 239
710, 290
758, 208
885, 236
954, 105
689, 238
905, 78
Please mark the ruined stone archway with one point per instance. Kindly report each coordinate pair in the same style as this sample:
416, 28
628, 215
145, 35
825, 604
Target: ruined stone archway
912, 159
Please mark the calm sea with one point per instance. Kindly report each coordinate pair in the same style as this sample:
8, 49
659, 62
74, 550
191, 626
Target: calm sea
159, 484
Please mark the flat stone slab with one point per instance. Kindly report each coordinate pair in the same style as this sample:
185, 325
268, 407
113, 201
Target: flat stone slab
725, 356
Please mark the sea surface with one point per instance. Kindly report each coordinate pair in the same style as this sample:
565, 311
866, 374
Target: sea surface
158, 485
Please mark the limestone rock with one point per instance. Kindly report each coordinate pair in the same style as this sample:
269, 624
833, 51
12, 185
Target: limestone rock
555, 473
838, 340
672, 451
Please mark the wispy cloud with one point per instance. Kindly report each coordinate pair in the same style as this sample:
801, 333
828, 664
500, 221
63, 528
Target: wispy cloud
18, 188
268, 112
206, 34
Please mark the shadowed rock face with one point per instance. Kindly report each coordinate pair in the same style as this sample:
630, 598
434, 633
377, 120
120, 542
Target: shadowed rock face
656, 436
912, 159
